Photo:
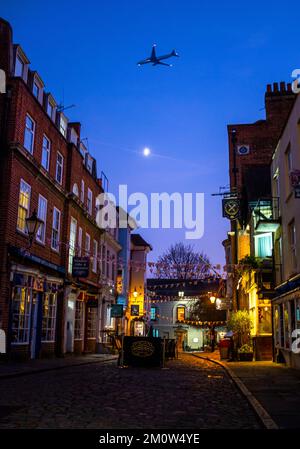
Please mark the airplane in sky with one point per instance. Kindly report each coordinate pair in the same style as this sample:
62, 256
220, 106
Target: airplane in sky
155, 60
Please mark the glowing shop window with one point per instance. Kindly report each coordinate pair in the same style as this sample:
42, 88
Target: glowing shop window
180, 313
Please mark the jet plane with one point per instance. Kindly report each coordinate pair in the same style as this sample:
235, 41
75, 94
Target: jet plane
155, 60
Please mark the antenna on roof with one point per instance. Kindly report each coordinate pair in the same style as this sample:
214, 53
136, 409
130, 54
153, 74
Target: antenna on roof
61, 107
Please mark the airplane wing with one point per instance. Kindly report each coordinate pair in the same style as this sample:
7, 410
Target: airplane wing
162, 63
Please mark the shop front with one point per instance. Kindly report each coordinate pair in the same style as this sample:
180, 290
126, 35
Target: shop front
33, 313
82, 321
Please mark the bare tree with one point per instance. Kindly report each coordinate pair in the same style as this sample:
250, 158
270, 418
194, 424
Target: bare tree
182, 262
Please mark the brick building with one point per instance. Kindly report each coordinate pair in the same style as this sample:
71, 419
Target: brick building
44, 310
251, 147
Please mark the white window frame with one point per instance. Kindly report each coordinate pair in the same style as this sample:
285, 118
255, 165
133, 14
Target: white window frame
26, 185
89, 201
46, 149
79, 320
41, 236
82, 191
61, 165
51, 319
72, 243
55, 229
31, 131
63, 129
87, 247
95, 256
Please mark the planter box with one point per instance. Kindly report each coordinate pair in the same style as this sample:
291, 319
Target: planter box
245, 356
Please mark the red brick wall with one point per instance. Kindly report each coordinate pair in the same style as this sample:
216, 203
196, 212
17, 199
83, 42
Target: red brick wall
263, 135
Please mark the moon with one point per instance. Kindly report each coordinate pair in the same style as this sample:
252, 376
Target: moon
146, 152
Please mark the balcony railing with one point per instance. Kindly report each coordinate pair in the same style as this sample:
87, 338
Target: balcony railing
266, 215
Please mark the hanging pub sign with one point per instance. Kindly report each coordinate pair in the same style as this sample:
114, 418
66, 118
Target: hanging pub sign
231, 208
295, 178
116, 311
81, 266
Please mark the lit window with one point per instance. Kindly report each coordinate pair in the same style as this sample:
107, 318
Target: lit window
264, 245
59, 168
23, 209
46, 153
29, 134
180, 313
90, 201
49, 317
153, 313
72, 243
21, 306
95, 256
55, 229
19, 67
87, 244
42, 214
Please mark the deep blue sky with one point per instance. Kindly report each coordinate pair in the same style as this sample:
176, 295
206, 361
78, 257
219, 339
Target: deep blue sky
86, 53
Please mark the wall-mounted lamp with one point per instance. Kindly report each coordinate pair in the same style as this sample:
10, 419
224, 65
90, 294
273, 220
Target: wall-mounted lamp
32, 225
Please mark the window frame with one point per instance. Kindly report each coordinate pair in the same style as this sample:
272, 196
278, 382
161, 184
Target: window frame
48, 151
89, 201
24, 231
56, 249
50, 331
31, 131
61, 165
87, 247
72, 245
95, 256
44, 224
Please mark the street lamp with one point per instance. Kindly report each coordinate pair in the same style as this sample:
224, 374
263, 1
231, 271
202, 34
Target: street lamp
212, 299
135, 293
181, 294
32, 225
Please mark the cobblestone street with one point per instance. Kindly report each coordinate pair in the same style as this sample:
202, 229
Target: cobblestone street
191, 393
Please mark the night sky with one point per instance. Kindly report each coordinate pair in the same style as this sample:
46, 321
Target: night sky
86, 53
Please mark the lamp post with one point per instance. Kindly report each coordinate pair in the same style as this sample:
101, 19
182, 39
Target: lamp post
32, 225
212, 299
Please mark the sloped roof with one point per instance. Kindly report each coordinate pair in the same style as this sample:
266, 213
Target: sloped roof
137, 240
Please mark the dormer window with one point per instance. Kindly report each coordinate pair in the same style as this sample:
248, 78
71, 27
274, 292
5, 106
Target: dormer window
19, 67
63, 125
50, 106
36, 89
89, 163
21, 63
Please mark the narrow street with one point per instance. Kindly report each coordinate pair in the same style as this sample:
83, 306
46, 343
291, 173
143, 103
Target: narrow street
190, 393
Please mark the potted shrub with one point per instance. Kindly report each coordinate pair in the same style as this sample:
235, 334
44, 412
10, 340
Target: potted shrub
240, 323
245, 353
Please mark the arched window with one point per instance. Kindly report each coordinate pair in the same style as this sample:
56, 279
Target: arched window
75, 189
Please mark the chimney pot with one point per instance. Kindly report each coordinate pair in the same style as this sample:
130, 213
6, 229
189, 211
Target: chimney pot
289, 87
282, 86
269, 88
275, 87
